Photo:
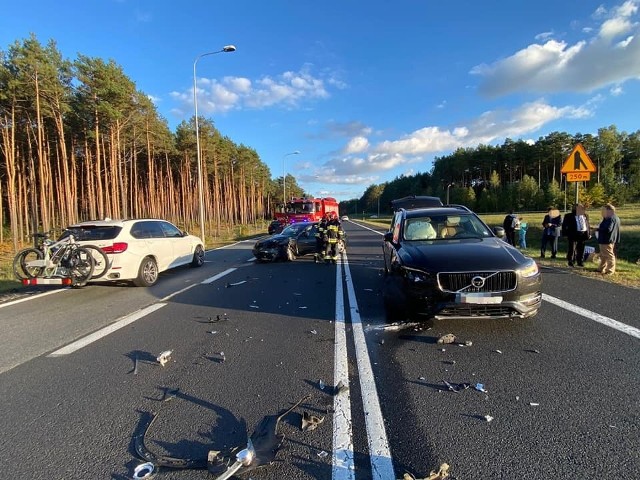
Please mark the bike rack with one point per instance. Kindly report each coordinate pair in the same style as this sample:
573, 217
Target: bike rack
47, 281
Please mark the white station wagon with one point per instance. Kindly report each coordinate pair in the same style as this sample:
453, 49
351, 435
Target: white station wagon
139, 250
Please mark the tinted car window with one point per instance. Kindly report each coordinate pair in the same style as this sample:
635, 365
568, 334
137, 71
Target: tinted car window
170, 231
147, 229
92, 233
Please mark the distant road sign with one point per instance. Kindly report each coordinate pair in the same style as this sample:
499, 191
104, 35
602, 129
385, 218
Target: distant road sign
578, 162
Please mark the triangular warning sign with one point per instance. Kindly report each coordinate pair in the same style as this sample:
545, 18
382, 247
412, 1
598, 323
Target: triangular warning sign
578, 161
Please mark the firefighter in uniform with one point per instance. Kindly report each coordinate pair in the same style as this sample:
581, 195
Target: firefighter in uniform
334, 235
320, 239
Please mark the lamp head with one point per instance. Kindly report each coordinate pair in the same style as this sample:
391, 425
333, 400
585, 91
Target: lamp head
229, 48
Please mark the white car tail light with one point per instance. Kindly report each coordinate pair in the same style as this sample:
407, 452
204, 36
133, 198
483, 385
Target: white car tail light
117, 247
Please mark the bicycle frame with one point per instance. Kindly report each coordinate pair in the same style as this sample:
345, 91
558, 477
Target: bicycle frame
53, 252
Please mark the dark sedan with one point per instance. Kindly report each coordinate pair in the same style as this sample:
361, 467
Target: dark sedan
446, 263
294, 241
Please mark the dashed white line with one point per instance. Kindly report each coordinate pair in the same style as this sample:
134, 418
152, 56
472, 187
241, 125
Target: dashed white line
596, 317
379, 451
123, 322
32, 297
342, 460
218, 276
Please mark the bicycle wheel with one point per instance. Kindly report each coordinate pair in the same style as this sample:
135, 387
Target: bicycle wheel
100, 260
21, 267
80, 266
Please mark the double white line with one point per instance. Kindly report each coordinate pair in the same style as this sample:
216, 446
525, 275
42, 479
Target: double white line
343, 455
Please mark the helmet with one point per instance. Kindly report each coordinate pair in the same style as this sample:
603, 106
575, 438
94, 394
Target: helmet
333, 215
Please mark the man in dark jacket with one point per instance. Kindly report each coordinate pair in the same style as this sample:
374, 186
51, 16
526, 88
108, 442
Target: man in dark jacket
509, 224
608, 238
576, 228
550, 225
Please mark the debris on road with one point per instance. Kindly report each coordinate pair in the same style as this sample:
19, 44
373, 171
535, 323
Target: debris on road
488, 418
466, 343
313, 332
144, 471
135, 365
323, 454
340, 388
302, 308
310, 422
321, 384
532, 351
480, 387
533, 404
169, 394
164, 357
447, 339
382, 342
456, 387
392, 327
498, 351
236, 284
254, 306
441, 474
212, 332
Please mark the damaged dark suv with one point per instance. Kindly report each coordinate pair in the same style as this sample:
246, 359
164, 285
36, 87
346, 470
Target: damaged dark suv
445, 262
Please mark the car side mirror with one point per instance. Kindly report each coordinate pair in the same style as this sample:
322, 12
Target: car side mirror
499, 232
388, 237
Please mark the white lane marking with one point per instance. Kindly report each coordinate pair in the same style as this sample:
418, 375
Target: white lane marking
379, 452
252, 259
596, 317
342, 460
218, 276
32, 297
368, 228
123, 322
176, 293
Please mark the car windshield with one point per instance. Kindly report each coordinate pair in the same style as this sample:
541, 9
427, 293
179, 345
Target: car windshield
293, 230
443, 227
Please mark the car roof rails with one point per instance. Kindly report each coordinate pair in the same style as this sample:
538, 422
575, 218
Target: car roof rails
415, 201
459, 207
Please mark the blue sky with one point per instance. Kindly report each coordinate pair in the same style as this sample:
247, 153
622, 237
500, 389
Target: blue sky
364, 90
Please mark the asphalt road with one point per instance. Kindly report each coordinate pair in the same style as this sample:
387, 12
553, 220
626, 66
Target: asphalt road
250, 340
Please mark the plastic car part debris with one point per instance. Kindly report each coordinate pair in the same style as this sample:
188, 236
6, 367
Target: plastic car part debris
533, 404
480, 387
446, 339
456, 387
254, 306
170, 394
321, 384
236, 283
340, 388
310, 422
144, 471
164, 357
441, 474
135, 365
498, 351
392, 327
313, 332
323, 454
466, 343
488, 418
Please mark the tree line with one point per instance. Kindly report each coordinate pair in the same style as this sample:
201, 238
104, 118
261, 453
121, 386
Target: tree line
79, 141
520, 175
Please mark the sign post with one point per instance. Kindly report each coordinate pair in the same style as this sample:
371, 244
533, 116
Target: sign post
578, 167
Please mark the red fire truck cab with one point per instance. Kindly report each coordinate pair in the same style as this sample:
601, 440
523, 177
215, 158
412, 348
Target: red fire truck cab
305, 210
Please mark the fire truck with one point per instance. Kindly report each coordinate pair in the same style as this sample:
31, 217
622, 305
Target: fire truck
305, 210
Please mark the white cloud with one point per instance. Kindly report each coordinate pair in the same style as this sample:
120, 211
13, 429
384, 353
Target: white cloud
155, 100
356, 145
554, 66
362, 165
544, 36
442, 104
616, 91
232, 93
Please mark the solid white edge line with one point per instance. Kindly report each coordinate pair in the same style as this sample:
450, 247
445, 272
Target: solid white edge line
379, 451
123, 322
171, 295
342, 460
32, 297
218, 276
596, 317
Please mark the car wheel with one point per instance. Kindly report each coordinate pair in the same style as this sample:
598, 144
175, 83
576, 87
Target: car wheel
147, 273
291, 256
198, 257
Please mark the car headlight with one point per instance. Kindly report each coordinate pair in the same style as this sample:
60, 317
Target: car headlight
530, 270
416, 276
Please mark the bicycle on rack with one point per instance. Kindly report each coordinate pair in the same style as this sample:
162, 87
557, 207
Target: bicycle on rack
63, 259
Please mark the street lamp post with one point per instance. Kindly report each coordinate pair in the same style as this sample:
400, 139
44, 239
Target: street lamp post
379, 205
284, 176
225, 49
448, 187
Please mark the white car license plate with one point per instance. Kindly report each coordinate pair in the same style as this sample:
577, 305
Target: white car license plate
478, 298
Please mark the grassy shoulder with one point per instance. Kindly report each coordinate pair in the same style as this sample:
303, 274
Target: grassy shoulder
628, 255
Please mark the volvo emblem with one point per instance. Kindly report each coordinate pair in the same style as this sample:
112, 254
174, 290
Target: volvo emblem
477, 282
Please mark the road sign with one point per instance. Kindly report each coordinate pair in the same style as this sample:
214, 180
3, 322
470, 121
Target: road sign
578, 162
578, 176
